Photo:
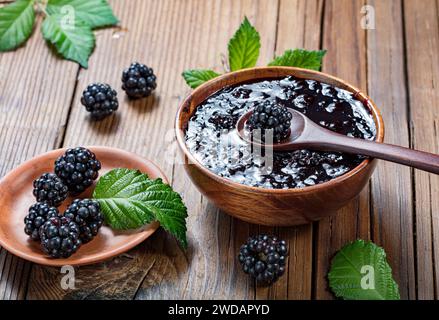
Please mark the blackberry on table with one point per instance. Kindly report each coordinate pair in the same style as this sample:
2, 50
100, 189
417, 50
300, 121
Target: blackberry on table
87, 214
263, 257
100, 100
38, 214
271, 117
78, 168
60, 237
51, 189
138, 81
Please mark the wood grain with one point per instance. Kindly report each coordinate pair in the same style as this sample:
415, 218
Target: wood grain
422, 43
391, 187
346, 58
35, 97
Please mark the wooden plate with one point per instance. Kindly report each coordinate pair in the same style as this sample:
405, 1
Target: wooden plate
16, 198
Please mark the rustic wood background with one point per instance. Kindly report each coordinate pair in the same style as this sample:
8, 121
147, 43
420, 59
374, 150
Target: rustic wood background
397, 63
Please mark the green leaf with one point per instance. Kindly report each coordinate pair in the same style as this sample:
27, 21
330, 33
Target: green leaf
16, 23
244, 47
348, 281
74, 41
96, 13
129, 200
194, 78
300, 58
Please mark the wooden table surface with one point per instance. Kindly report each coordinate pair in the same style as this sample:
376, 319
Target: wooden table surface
396, 63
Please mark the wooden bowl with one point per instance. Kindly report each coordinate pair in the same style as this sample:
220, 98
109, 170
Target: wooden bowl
16, 198
272, 207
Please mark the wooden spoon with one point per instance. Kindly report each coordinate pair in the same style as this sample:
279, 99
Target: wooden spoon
305, 134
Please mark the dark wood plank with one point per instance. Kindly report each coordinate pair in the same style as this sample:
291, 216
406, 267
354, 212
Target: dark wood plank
422, 43
391, 198
35, 94
298, 27
346, 58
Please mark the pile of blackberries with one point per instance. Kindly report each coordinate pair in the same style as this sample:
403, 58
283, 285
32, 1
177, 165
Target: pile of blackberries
62, 235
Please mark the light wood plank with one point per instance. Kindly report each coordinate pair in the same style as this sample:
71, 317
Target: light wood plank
35, 94
422, 42
346, 58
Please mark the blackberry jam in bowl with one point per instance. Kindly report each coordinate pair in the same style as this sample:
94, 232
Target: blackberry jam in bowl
275, 188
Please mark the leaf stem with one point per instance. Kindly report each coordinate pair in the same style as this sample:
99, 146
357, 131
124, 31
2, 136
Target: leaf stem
41, 5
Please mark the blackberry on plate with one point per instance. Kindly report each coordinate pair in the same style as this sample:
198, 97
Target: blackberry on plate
51, 189
87, 214
263, 257
138, 81
100, 100
78, 168
271, 117
38, 214
60, 237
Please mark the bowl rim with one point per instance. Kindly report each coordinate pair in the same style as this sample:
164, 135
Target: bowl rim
179, 131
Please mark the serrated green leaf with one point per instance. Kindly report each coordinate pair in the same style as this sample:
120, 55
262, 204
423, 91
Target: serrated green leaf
360, 271
96, 13
74, 40
194, 78
16, 23
300, 58
244, 47
129, 200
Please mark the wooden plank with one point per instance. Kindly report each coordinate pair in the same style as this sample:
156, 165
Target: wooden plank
422, 43
175, 35
298, 27
35, 96
346, 58
391, 199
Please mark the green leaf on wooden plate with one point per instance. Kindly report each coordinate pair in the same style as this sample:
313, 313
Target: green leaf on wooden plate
300, 58
360, 271
16, 23
194, 78
73, 40
129, 200
96, 13
244, 47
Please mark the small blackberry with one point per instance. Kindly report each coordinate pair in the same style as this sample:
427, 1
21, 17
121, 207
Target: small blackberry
60, 237
138, 81
99, 99
78, 168
87, 214
38, 214
51, 189
268, 116
263, 257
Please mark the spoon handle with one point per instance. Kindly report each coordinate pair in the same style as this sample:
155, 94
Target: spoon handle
417, 159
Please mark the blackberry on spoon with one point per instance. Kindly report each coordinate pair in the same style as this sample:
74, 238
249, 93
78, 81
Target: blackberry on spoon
38, 214
50, 188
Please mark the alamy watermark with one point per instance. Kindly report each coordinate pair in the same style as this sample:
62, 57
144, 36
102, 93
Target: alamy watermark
68, 281
368, 17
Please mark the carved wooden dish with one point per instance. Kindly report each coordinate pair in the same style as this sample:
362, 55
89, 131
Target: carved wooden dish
273, 207
16, 198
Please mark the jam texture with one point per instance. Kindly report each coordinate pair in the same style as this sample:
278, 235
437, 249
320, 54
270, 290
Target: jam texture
212, 139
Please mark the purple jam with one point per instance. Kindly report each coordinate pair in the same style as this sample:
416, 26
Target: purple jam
212, 139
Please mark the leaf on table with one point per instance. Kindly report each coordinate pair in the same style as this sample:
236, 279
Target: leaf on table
16, 23
300, 58
96, 13
74, 40
244, 47
129, 200
360, 271
194, 78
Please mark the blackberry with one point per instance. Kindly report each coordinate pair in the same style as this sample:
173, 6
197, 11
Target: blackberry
100, 100
272, 117
263, 257
60, 237
87, 214
38, 214
51, 189
78, 168
138, 81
